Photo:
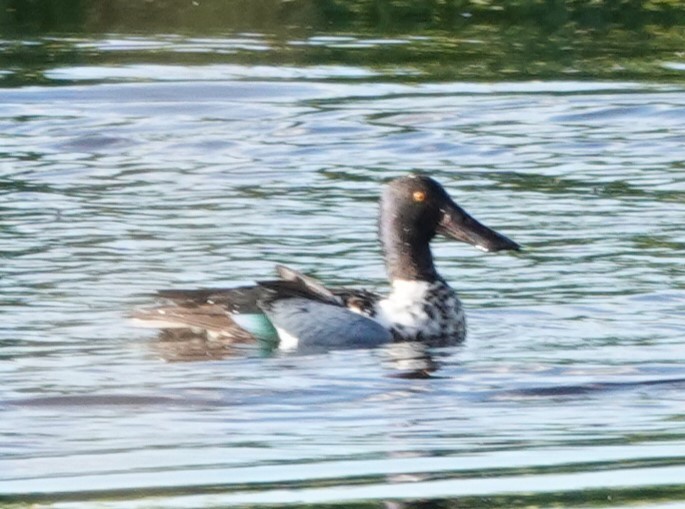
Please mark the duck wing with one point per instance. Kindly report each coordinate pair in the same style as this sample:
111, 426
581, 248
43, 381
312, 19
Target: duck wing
309, 316
360, 301
312, 326
209, 319
296, 310
241, 299
227, 313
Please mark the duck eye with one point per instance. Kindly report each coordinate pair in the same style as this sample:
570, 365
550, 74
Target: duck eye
419, 196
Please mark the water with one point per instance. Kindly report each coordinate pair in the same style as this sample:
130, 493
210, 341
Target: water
135, 170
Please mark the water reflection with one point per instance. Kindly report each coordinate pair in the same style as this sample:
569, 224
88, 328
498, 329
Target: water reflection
417, 504
402, 359
409, 359
376, 16
185, 345
473, 53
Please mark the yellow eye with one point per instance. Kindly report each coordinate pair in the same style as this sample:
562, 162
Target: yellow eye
419, 196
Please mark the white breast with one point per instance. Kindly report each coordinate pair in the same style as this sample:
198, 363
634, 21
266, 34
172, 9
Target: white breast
405, 305
413, 308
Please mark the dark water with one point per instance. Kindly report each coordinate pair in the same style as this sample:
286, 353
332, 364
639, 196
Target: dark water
135, 162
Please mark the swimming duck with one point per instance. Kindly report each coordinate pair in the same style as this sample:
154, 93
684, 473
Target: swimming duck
297, 311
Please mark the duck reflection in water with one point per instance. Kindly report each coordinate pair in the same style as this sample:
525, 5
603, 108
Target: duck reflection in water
407, 359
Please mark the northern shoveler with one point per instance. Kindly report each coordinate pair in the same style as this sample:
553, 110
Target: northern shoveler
297, 311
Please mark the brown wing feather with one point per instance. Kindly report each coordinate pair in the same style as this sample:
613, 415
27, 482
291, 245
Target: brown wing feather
242, 299
202, 317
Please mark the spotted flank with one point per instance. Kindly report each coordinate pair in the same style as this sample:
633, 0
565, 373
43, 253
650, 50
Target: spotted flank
297, 312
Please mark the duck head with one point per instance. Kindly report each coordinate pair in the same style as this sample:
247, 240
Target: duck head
413, 210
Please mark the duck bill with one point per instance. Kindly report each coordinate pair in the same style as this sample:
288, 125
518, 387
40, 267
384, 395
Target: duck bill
457, 224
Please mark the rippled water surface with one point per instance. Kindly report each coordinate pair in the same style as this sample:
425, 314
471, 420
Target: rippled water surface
118, 178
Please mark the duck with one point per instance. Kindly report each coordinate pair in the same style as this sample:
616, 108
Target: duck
298, 312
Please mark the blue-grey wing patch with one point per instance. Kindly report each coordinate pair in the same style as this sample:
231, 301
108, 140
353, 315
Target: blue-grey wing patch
305, 324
